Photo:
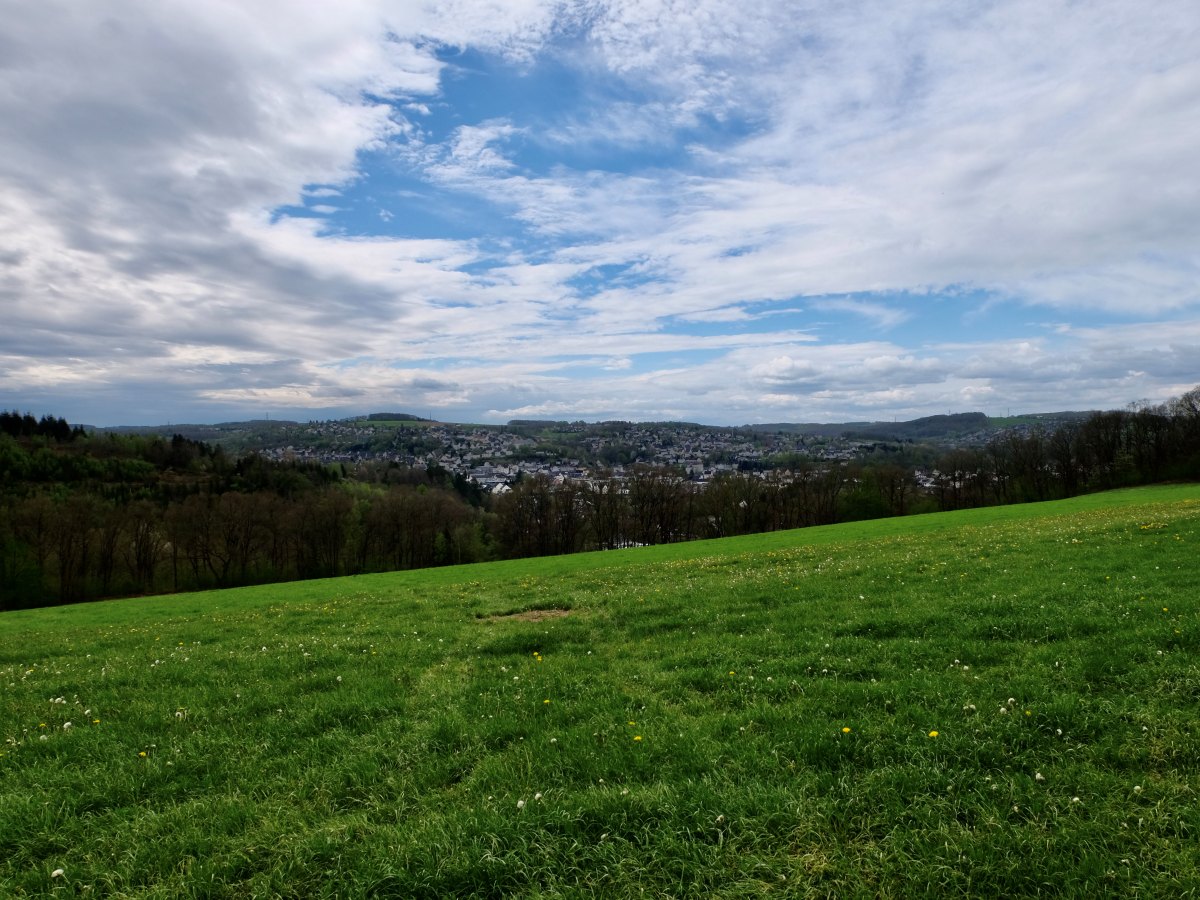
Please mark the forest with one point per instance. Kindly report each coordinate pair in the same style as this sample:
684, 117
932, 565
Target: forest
88, 516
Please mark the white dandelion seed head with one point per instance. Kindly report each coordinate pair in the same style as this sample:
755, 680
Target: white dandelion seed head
520, 804
57, 873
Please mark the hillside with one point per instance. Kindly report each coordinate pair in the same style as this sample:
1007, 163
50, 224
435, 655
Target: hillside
378, 431
977, 703
969, 429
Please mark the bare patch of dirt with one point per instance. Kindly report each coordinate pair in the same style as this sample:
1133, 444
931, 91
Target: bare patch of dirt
531, 615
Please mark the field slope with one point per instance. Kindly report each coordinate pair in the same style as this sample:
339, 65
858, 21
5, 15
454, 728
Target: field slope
998, 702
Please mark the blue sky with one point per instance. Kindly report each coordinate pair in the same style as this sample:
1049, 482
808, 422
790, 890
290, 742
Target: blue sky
493, 209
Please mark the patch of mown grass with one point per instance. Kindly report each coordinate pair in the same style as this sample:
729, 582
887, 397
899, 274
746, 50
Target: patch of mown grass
997, 702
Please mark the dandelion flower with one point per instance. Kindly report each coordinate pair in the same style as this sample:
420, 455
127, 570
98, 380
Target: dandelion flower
933, 734
142, 754
846, 729
547, 700
637, 737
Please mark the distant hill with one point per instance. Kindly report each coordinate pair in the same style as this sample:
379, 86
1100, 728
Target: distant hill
377, 431
202, 432
927, 428
396, 417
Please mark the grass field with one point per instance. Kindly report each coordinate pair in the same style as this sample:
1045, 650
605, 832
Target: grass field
1000, 702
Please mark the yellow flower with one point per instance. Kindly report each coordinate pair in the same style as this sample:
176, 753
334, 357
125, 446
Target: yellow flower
846, 730
547, 700
142, 754
933, 734
637, 737
731, 672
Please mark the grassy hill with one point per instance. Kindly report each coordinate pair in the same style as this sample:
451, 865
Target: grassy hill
999, 702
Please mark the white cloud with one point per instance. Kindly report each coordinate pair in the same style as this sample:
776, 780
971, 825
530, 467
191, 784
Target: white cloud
811, 164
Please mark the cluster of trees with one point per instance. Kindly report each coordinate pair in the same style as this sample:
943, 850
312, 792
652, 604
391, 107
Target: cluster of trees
1120, 448
657, 505
16, 425
84, 517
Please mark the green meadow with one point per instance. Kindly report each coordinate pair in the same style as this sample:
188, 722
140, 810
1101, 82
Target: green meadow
995, 703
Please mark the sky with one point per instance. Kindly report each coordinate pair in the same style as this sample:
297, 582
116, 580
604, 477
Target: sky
701, 210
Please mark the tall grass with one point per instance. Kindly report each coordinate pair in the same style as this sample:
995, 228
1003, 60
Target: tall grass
1000, 702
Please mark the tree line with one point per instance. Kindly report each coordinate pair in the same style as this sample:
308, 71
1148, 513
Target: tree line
85, 517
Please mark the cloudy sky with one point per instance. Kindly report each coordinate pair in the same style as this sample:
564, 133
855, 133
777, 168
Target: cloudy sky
709, 210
